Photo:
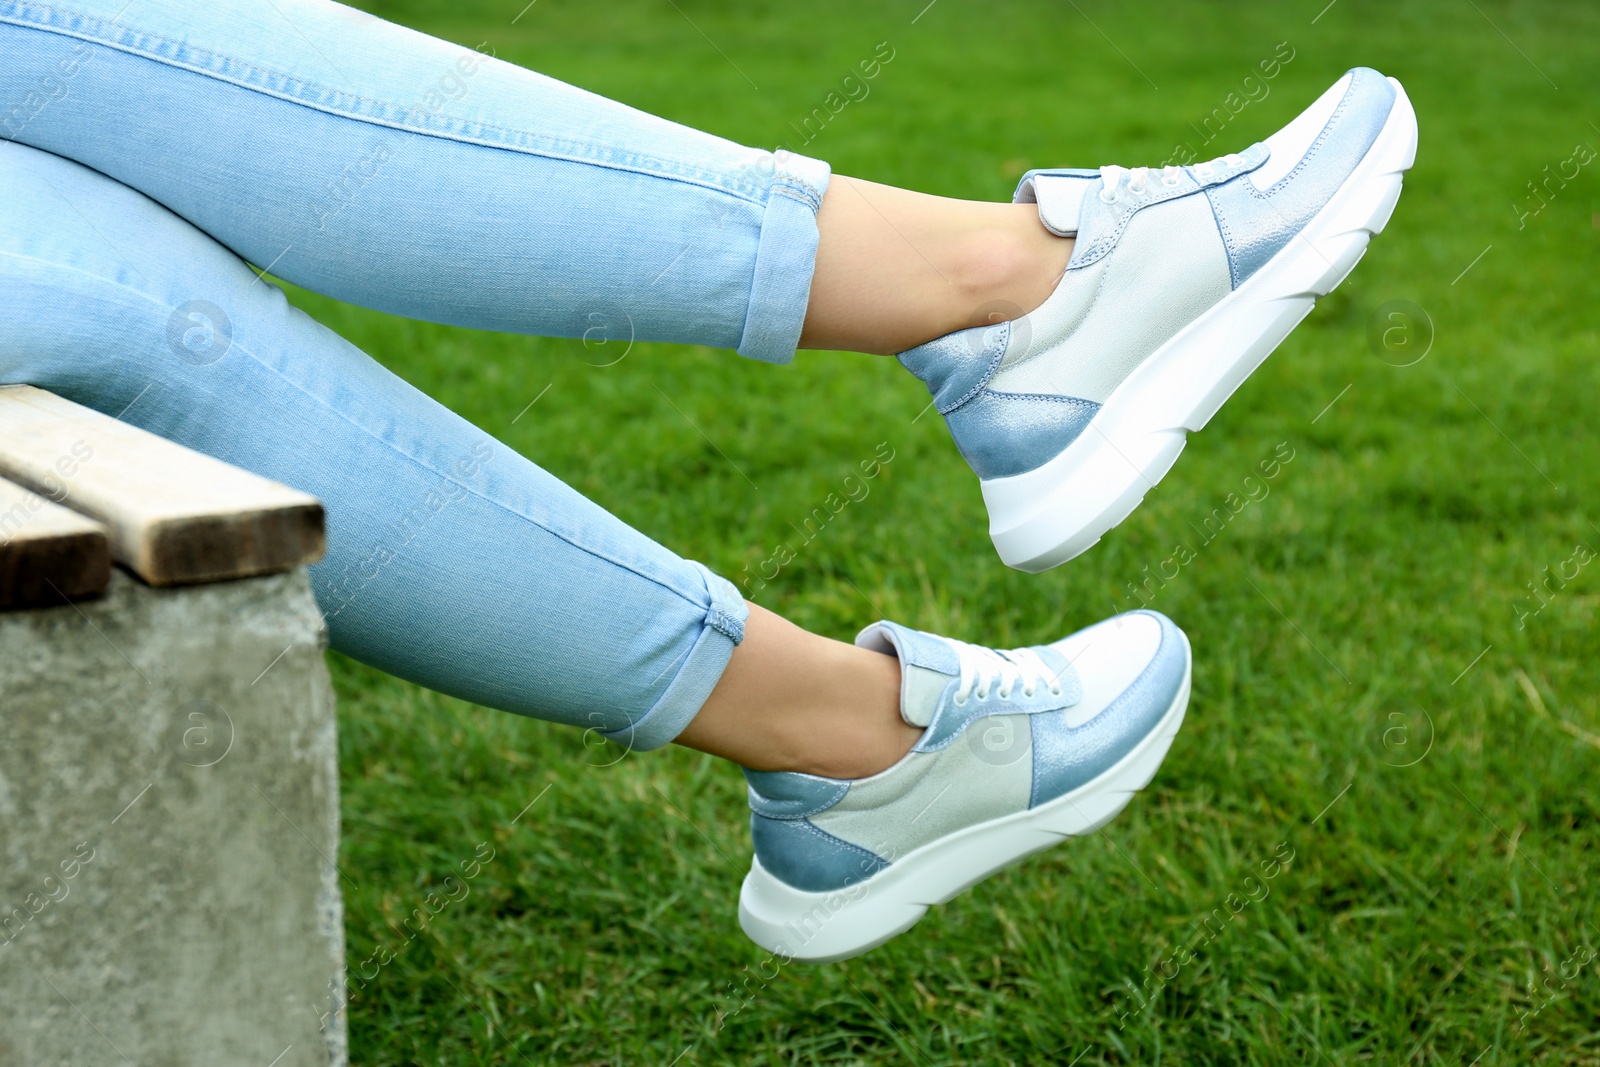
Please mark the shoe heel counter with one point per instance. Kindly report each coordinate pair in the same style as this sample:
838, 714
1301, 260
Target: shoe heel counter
802, 855
1005, 434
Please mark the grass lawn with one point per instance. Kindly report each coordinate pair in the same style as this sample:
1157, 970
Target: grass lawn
1385, 717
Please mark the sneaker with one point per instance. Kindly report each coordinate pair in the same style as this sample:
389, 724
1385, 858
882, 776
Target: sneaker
1181, 282
1022, 749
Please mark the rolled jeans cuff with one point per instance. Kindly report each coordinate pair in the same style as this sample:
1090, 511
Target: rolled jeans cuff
786, 257
688, 690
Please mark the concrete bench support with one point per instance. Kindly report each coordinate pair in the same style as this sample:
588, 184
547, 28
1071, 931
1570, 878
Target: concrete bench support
169, 787
169, 797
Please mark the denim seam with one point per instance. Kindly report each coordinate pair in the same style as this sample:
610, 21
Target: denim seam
725, 623
245, 349
587, 549
559, 150
797, 189
728, 608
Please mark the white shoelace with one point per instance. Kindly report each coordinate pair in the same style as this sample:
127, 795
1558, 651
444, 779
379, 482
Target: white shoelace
1111, 176
983, 669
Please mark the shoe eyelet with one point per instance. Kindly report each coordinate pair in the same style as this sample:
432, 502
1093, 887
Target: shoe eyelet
1104, 199
1055, 690
1136, 190
1028, 694
1170, 183
960, 702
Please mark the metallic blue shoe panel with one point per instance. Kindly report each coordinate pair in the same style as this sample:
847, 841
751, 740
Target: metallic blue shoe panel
798, 853
1001, 434
1065, 757
1256, 224
954, 367
791, 795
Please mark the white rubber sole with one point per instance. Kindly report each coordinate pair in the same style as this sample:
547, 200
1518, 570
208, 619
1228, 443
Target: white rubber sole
828, 926
1046, 516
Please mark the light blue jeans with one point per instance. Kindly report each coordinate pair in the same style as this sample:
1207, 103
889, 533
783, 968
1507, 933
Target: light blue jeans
151, 148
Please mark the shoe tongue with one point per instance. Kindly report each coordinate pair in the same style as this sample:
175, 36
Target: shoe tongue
1059, 195
920, 690
927, 664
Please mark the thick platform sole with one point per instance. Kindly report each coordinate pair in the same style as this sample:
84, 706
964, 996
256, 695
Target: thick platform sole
1046, 516
828, 926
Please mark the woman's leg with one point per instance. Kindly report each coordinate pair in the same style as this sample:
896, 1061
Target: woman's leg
386, 168
452, 561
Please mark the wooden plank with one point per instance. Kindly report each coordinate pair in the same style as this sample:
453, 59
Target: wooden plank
48, 554
174, 516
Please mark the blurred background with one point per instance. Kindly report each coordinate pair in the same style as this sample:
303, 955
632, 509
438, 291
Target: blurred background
1395, 657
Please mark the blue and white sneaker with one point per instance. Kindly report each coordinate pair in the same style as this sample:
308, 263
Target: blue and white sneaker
1181, 282
1022, 749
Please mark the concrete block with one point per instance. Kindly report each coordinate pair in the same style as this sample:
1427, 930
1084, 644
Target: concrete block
169, 828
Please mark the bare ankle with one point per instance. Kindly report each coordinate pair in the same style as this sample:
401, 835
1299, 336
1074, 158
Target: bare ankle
895, 269
874, 747
1010, 268
862, 733
793, 701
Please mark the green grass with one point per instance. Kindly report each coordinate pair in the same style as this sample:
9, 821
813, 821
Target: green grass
1426, 914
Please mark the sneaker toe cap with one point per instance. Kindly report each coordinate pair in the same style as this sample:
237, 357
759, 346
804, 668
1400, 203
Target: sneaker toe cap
1352, 110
